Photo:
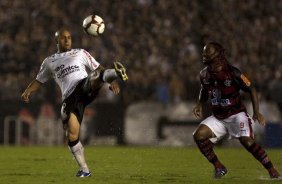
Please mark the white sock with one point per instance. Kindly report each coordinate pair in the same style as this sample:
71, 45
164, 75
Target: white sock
78, 153
109, 75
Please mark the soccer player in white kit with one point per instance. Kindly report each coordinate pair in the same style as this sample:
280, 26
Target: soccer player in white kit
68, 68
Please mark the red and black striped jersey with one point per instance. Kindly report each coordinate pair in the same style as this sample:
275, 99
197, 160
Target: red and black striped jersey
223, 89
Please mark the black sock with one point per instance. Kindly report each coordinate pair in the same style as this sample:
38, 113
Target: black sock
73, 143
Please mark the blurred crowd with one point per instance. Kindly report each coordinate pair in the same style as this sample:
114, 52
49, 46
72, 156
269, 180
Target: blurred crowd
159, 41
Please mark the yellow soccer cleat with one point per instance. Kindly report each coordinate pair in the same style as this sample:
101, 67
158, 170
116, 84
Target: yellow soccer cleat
121, 71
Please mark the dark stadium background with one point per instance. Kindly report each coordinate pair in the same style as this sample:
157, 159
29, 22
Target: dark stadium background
160, 43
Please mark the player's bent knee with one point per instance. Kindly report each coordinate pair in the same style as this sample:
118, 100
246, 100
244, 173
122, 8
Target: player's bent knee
198, 136
246, 141
202, 133
72, 136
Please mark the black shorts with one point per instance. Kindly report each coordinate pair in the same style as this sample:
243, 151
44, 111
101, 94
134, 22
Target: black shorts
78, 100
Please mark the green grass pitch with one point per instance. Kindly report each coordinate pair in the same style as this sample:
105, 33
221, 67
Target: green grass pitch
126, 165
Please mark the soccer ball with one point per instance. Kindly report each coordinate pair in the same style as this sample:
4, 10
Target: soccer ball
93, 25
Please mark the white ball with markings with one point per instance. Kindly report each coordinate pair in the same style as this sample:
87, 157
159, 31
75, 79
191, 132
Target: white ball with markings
93, 25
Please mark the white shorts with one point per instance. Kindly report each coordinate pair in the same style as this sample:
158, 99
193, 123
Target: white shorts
235, 126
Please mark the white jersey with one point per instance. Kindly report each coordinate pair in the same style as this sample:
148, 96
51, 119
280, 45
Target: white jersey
67, 69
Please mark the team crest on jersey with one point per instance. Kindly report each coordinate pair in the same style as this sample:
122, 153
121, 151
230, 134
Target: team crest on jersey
227, 82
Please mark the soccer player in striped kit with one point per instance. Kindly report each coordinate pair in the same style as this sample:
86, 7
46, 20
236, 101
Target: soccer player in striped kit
222, 83
68, 67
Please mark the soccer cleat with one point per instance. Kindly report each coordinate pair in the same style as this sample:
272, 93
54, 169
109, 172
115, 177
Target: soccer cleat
82, 174
274, 174
219, 172
121, 71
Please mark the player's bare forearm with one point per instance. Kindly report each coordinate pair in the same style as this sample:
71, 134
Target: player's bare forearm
197, 110
203, 97
31, 88
255, 102
254, 99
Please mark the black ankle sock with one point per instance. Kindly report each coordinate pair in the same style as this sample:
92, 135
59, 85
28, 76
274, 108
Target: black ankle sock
73, 143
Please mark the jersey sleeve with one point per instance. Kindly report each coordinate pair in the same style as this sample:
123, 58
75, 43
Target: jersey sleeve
89, 61
204, 91
242, 80
44, 73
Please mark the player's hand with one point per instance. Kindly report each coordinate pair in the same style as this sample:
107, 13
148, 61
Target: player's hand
114, 87
260, 118
25, 96
197, 110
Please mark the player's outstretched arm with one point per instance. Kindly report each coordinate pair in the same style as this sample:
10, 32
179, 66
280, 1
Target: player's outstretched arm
31, 88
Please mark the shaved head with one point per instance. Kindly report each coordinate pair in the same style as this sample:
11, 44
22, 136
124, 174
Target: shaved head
60, 31
63, 39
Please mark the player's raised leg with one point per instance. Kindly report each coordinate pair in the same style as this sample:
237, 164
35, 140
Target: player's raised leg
76, 147
202, 137
259, 153
119, 71
99, 76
